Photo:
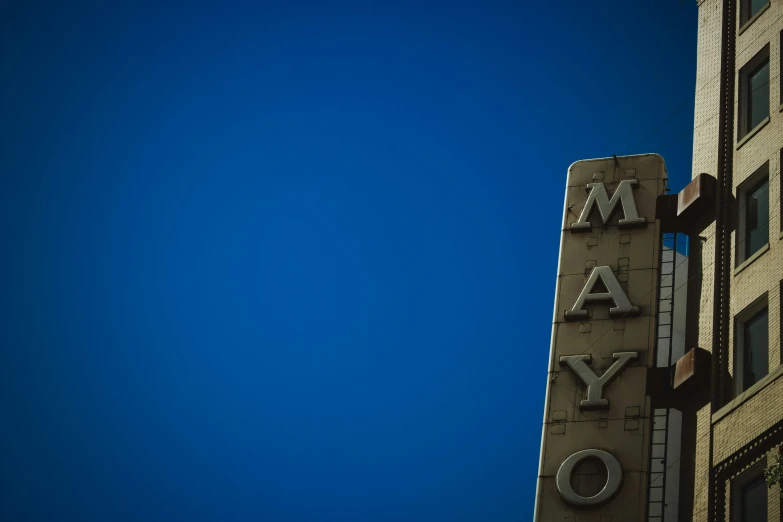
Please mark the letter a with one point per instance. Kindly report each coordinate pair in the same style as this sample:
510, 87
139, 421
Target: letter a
614, 293
606, 207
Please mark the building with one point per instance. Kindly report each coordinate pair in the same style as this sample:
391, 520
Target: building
738, 136
665, 380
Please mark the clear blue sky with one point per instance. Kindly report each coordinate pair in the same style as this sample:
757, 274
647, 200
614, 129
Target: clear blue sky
297, 262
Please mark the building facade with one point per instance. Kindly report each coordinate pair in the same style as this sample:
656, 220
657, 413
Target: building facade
738, 138
665, 380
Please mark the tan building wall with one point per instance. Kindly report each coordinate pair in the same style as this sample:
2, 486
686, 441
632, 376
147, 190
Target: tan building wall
705, 160
755, 411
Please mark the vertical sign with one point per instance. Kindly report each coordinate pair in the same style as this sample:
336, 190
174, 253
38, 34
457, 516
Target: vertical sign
595, 441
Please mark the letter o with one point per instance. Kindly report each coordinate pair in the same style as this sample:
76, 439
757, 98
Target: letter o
614, 477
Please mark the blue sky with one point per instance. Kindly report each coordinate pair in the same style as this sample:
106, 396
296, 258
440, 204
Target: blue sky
297, 261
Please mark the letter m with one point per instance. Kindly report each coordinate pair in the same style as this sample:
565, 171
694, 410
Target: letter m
606, 207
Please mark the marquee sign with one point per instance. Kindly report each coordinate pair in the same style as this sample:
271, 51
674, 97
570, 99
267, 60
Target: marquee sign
594, 448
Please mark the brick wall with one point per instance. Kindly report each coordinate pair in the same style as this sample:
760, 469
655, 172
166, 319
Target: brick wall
705, 159
749, 419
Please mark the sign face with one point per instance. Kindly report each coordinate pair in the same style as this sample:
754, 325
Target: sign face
594, 448
595, 384
599, 198
614, 293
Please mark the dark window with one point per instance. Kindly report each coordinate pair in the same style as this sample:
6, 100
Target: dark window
756, 349
750, 8
749, 495
754, 501
756, 5
756, 218
751, 359
758, 103
752, 214
754, 92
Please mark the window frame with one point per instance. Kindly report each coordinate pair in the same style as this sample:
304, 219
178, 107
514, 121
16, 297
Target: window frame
745, 18
759, 176
745, 73
748, 313
739, 483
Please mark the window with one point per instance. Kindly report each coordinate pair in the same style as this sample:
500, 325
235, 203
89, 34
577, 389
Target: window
749, 495
751, 8
753, 213
751, 337
756, 212
754, 92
